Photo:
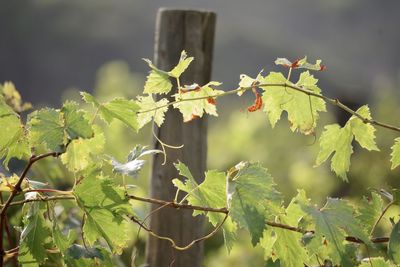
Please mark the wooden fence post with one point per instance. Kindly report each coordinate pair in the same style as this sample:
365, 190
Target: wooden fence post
193, 31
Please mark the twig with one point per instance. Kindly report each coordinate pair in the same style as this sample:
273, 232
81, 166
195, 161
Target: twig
17, 189
332, 101
173, 244
352, 239
52, 198
381, 216
177, 205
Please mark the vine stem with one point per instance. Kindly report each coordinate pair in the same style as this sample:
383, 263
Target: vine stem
381, 216
16, 190
178, 205
226, 212
332, 101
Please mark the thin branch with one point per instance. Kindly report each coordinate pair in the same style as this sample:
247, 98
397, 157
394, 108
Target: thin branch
177, 205
381, 216
226, 211
173, 244
44, 199
17, 189
332, 101
352, 239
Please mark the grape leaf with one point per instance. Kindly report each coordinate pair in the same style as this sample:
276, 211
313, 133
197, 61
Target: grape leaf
133, 164
394, 244
286, 244
63, 242
76, 125
370, 210
104, 204
45, 127
13, 142
118, 108
332, 222
158, 81
196, 108
364, 133
251, 197
147, 103
80, 256
12, 97
339, 140
302, 110
183, 63
32, 251
210, 193
395, 159
81, 152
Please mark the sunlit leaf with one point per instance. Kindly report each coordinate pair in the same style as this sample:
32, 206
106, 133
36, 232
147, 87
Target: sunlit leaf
339, 140
183, 64
118, 108
196, 108
395, 159
210, 193
147, 103
32, 251
158, 81
252, 196
303, 110
104, 204
46, 127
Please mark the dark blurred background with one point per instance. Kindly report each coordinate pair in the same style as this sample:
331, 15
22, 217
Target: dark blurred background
51, 49
47, 46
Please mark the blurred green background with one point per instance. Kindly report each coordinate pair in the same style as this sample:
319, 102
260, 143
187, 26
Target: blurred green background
54, 49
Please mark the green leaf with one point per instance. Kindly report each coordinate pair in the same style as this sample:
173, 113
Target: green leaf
157, 82
184, 62
376, 262
80, 256
364, 133
395, 159
370, 210
286, 244
196, 108
210, 193
303, 110
251, 197
147, 103
339, 140
81, 152
333, 222
76, 125
46, 127
118, 108
104, 204
12, 97
13, 142
32, 251
394, 244
63, 242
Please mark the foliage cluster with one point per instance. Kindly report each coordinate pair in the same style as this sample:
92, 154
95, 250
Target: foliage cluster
243, 197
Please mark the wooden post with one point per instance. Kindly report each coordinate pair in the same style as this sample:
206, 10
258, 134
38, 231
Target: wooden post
193, 31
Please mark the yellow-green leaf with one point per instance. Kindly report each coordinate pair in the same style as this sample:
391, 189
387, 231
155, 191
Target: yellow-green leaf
183, 64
